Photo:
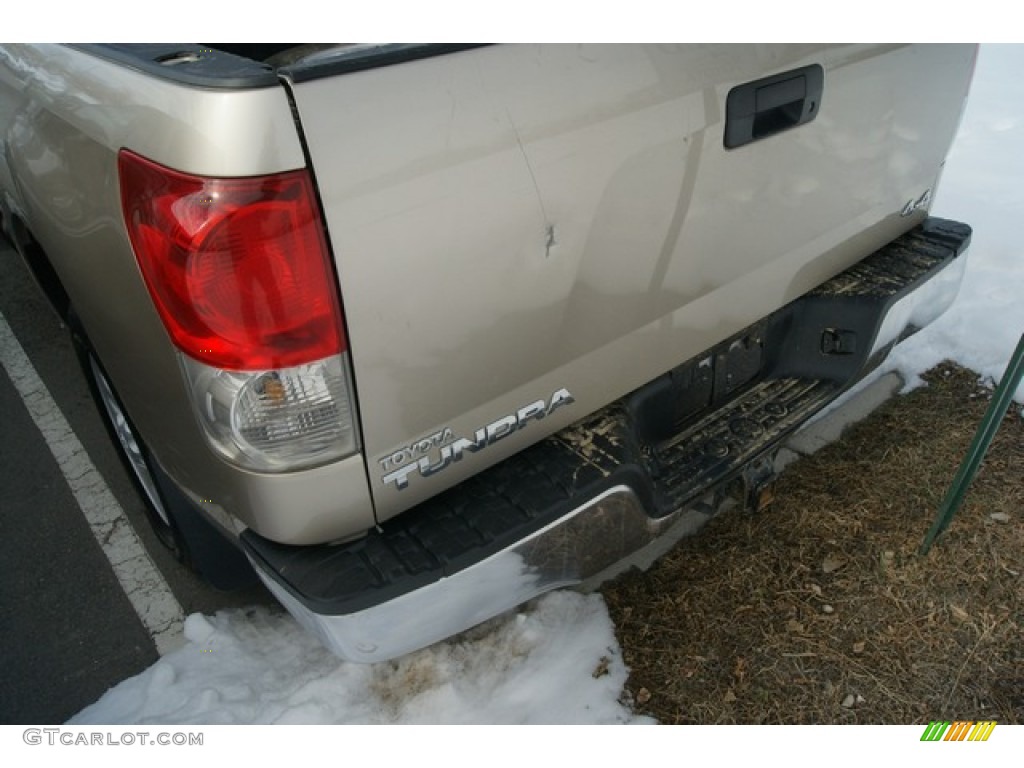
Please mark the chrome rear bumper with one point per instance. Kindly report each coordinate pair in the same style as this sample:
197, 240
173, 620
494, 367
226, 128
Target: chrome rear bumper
575, 548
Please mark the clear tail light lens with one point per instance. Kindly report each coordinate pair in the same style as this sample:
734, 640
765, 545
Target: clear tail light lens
241, 277
276, 420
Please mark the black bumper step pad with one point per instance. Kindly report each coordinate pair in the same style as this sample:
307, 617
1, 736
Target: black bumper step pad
901, 265
722, 443
521, 495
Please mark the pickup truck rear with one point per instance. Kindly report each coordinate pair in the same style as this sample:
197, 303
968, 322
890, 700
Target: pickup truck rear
419, 332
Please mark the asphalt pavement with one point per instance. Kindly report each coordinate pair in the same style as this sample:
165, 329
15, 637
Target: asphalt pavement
67, 630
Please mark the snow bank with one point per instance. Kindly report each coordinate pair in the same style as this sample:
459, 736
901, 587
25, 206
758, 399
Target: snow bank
555, 662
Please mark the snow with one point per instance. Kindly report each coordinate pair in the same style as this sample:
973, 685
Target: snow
557, 660
982, 185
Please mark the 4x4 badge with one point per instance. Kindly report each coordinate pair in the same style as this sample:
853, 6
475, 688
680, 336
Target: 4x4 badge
916, 205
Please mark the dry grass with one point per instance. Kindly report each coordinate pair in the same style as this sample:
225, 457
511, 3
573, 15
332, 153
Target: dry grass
780, 617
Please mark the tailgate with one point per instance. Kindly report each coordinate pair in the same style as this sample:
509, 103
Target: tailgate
525, 233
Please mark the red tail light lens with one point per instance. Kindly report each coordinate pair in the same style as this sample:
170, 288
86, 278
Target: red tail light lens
238, 268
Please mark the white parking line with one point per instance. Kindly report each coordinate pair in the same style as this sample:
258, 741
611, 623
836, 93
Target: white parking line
152, 599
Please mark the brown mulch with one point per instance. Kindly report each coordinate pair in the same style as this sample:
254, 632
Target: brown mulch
821, 610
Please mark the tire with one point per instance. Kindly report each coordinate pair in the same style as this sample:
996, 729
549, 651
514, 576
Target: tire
180, 527
132, 450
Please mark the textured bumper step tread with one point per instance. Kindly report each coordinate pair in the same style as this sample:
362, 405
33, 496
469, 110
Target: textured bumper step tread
722, 443
902, 264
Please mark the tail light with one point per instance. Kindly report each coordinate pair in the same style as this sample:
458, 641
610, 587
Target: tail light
240, 275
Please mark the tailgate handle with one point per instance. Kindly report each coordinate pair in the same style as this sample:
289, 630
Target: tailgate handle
767, 106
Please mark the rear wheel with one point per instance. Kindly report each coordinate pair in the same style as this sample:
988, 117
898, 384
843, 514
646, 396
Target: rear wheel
137, 460
132, 449
181, 527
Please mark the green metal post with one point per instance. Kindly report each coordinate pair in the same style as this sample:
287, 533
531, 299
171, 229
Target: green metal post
979, 446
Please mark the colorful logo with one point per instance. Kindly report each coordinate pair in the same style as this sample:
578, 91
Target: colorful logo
960, 730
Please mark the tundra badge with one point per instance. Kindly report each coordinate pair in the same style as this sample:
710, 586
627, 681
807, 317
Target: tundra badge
415, 456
